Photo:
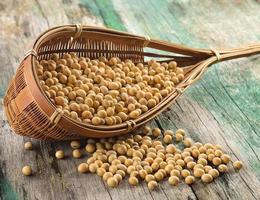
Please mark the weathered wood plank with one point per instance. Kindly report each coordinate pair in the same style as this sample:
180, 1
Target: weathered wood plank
223, 107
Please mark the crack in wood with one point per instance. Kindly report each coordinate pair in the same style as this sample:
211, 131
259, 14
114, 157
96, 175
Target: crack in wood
53, 163
1, 178
107, 190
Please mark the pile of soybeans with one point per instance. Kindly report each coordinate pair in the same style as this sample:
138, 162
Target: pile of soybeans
106, 91
110, 91
151, 156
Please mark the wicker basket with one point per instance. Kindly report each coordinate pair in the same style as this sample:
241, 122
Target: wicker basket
31, 113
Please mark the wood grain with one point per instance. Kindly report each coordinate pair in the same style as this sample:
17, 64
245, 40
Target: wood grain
223, 107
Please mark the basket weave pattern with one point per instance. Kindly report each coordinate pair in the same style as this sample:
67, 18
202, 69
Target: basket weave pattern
30, 112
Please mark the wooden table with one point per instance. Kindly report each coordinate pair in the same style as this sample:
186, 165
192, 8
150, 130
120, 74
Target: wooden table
223, 107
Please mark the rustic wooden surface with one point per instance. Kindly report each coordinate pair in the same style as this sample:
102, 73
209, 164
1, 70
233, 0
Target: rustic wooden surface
223, 107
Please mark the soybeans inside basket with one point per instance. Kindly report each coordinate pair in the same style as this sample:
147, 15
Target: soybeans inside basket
30, 112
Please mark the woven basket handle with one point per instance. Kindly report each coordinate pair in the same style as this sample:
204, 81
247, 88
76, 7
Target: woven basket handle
224, 54
228, 54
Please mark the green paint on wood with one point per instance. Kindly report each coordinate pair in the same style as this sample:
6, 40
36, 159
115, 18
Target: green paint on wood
235, 104
2, 91
6, 190
104, 10
157, 19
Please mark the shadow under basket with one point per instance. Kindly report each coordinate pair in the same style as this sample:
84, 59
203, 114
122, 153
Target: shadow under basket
31, 113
